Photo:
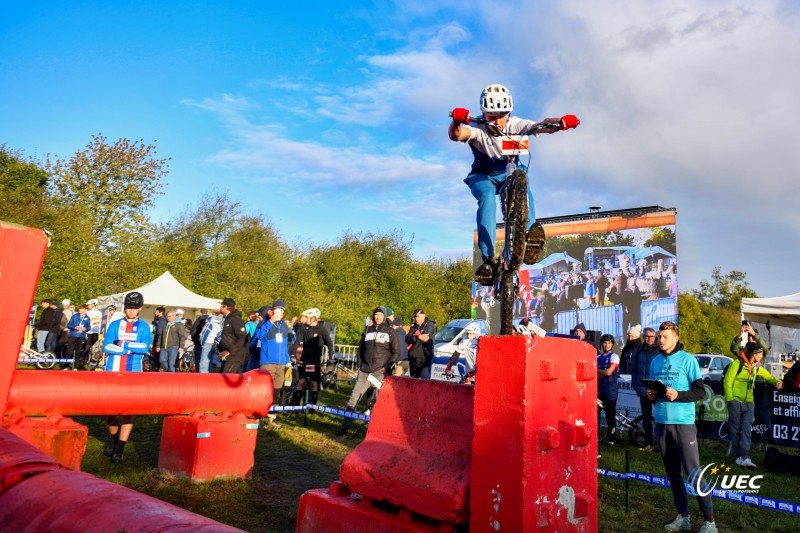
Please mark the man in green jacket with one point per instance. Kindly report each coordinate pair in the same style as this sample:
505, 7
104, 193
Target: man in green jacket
739, 382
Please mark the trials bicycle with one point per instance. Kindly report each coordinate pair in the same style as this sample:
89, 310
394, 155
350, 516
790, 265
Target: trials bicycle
514, 205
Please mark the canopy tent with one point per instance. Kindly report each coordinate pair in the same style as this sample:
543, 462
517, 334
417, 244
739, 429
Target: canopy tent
777, 320
556, 262
654, 252
164, 290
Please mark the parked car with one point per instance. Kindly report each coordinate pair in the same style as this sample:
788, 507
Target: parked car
713, 365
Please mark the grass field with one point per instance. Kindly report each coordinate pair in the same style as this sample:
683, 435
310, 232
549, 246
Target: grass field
294, 458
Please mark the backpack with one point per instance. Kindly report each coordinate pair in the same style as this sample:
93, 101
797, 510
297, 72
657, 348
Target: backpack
739, 369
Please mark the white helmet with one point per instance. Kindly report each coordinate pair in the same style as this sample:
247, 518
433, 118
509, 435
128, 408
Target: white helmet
472, 328
312, 313
496, 100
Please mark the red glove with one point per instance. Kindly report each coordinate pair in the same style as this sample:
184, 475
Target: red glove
569, 122
417, 333
460, 115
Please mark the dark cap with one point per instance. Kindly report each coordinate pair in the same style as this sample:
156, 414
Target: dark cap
279, 304
398, 321
389, 310
229, 302
753, 348
581, 327
265, 312
418, 312
379, 309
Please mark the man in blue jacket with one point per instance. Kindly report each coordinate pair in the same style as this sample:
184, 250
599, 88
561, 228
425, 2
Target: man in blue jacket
641, 360
272, 338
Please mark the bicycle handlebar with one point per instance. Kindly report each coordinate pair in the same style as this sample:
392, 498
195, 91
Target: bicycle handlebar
537, 127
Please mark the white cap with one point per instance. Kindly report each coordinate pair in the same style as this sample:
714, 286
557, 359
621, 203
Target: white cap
313, 312
93, 301
65, 301
180, 311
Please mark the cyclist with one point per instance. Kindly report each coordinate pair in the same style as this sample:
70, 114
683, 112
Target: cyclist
489, 169
468, 347
310, 343
127, 340
607, 391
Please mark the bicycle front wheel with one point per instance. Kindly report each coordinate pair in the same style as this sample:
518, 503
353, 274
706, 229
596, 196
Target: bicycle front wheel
46, 360
636, 432
516, 198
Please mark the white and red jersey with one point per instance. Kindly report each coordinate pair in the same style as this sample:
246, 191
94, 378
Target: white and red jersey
126, 342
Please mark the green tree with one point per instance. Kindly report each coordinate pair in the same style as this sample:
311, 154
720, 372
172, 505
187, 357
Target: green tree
724, 290
662, 236
117, 181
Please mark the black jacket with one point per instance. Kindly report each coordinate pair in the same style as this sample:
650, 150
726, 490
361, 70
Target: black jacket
312, 339
379, 348
421, 351
45, 319
233, 337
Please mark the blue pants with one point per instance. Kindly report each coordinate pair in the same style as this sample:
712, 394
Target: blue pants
740, 427
485, 188
167, 358
204, 359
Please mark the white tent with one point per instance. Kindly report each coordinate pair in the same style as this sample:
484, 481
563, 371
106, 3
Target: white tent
164, 290
777, 320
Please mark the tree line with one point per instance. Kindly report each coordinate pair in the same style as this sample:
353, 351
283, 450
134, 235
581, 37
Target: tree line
97, 203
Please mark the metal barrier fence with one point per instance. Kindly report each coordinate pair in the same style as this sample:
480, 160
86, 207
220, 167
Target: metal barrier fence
347, 354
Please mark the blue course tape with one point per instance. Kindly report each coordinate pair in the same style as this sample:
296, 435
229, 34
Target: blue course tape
322, 409
749, 499
45, 360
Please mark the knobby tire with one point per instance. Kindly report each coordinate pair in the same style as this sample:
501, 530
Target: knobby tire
516, 220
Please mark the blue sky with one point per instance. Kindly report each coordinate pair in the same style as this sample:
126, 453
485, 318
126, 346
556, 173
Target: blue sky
332, 116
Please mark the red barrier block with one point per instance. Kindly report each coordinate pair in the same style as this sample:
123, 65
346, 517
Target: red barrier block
21, 255
417, 450
61, 438
205, 446
19, 460
336, 509
67, 501
534, 455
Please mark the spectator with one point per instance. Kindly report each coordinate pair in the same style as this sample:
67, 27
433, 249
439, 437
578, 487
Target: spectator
51, 342
631, 304
640, 369
172, 342
297, 326
546, 310
739, 382
602, 284
672, 276
43, 325
252, 323
127, 340
272, 337
607, 391
208, 340
580, 331
233, 338
675, 430
180, 314
378, 350
112, 315
63, 334
96, 320
402, 367
77, 327
159, 323
618, 287
312, 341
632, 343
747, 334
197, 329
591, 289
420, 343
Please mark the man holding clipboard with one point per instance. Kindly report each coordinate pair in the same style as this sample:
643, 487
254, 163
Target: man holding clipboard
678, 384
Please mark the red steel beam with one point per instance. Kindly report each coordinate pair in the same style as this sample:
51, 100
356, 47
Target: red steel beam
42, 393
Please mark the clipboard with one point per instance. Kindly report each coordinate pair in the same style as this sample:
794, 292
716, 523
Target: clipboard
654, 384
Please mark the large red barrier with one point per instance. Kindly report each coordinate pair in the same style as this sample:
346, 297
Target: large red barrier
37, 393
534, 456
21, 255
416, 454
61, 438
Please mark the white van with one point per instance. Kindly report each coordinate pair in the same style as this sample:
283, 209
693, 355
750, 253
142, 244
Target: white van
446, 342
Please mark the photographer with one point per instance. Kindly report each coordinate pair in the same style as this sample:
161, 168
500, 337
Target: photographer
747, 334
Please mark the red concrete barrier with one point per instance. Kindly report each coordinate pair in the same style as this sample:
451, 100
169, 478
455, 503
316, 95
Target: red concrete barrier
205, 446
336, 509
417, 451
21, 255
19, 460
38, 393
534, 455
61, 438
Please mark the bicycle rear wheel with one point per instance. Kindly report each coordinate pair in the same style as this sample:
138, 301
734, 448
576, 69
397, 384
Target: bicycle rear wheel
636, 432
516, 219
46, 360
